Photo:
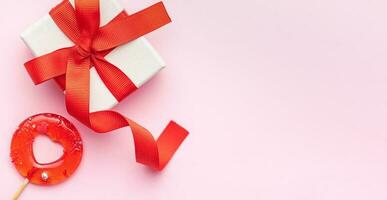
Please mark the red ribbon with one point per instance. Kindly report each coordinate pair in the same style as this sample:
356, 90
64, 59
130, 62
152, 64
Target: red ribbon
70, 68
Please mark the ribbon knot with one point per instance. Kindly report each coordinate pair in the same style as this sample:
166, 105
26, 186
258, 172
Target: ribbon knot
70, 67
84, 47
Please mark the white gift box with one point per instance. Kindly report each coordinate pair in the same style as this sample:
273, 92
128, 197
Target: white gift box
137, 59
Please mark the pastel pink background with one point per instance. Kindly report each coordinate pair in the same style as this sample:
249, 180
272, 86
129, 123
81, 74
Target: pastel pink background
283, 99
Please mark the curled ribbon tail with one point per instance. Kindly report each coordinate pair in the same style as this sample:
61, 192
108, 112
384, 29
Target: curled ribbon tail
153, 153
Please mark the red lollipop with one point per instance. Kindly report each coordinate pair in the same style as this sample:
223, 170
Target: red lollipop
59, 130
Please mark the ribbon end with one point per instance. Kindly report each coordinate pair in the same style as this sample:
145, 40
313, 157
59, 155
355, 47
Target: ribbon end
164, 9
169, 141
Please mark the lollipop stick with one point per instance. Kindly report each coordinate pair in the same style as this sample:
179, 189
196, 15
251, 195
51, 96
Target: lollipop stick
20, 190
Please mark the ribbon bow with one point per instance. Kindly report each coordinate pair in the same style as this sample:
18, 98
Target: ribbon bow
70, 68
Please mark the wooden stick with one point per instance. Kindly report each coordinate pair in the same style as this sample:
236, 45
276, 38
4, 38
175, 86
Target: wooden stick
20, 190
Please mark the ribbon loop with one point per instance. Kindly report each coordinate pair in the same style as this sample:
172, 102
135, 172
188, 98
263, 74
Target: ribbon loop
131, 27
48, 66
88, 17
64, 14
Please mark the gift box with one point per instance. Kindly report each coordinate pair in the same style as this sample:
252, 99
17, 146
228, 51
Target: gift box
95, 51
138, 60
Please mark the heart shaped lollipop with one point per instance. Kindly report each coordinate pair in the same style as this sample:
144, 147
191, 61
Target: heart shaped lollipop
59, 130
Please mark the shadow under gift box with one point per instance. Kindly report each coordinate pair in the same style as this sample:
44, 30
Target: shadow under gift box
137, 59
